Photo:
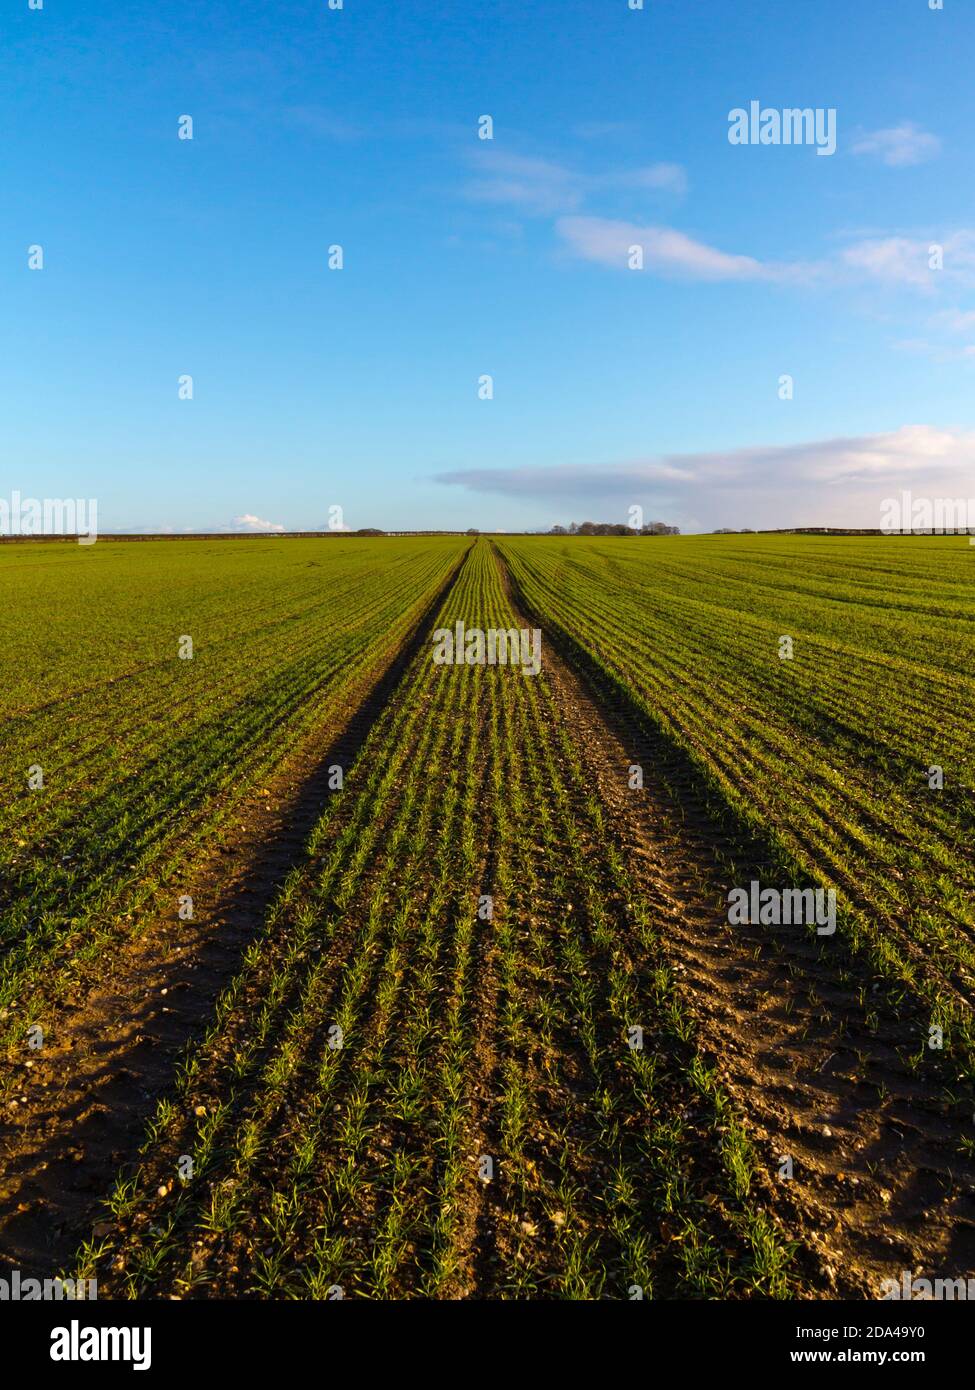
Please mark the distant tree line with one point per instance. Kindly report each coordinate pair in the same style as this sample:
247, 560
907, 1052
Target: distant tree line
609, 528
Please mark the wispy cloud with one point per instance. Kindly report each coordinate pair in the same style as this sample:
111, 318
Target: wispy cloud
671, 178
938, 352
839, 481
899, 145
664, 249
546, 188
911, 260
896, 260
955, 320
889, 261
533, 185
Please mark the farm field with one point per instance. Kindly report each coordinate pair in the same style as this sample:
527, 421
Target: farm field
830, 752
471, 1019
141, 753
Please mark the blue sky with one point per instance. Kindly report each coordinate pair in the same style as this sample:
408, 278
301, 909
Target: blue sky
462, 257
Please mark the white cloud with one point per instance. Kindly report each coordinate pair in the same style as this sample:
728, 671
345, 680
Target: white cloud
249, 522
887, 261
839, 481
878, 262
664, 249
907, 260
893, 259
899, 145
573, 480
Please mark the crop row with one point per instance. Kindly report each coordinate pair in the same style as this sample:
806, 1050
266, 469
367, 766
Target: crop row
122, 757
824, 689
455, 1061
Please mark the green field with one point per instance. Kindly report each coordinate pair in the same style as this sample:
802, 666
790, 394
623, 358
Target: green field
143, 753
481, 1027
828, 753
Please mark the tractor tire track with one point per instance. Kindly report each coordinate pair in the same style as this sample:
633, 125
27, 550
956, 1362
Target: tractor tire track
81, 1102
803, 1036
